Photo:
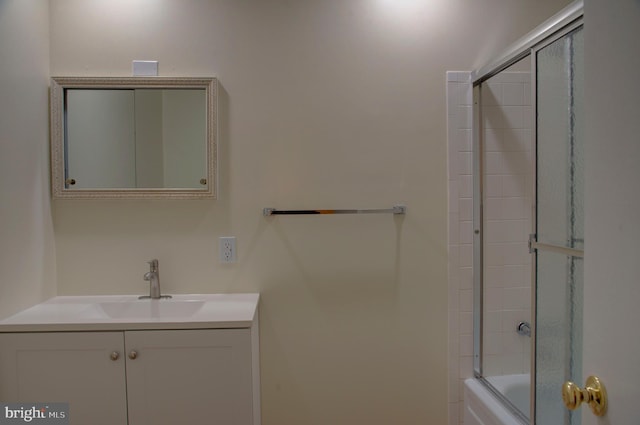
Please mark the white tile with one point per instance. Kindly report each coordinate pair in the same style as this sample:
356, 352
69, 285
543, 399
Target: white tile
466, 345
461, 389
493, 277
515, 208
454, 324
492, 343
466, 255
495, 232
516, 298
516, 163
526, 100
465, 209
493, 321
465, 186
493, 140
494, 255
466, 322
513, 116
512, 343
491, 94
452, 98
453, 387
466, 277
511, 318
453, 296
528, 117
514, 185
513, 94
514, 77
466, 232
526, 358
492, 365
454, 235
493, 299
463, 117
466, 94
517, 276
454, 255
493, 116
465, 164
511, 364
494, 208
466, 299
453, 197
465, 140
452, 161
518, 140
493, 186
515, 253
494, 163
515, 231
466, 367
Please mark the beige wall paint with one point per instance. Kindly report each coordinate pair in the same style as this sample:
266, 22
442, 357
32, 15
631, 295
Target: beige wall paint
27, 255
325, 104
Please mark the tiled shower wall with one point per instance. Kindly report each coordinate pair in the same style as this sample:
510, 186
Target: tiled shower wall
508, 187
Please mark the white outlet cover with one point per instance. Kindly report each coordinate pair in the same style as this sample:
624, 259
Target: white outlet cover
227, 249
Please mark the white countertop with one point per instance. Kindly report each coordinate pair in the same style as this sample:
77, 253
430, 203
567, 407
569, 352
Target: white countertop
109, 313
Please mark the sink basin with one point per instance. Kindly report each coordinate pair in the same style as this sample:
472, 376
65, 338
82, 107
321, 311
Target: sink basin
140, 309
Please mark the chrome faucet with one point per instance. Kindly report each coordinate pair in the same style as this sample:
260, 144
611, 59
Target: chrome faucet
153, 277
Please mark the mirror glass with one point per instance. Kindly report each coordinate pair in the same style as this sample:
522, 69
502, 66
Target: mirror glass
133, 137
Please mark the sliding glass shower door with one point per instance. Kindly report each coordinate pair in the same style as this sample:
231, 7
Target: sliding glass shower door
559, 236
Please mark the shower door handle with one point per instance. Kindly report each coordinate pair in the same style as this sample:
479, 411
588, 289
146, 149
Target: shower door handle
593, 393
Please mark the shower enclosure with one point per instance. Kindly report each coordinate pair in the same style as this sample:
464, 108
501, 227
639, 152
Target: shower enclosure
528, 220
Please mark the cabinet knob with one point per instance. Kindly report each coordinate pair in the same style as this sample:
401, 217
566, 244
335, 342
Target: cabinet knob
133, 355
115, 356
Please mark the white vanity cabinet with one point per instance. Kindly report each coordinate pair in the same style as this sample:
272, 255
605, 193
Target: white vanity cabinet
66, 367
201, 370
189, 377
152, 377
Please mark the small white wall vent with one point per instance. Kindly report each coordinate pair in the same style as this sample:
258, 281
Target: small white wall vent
145, 68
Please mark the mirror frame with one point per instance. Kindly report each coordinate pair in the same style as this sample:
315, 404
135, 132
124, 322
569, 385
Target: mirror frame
58, 87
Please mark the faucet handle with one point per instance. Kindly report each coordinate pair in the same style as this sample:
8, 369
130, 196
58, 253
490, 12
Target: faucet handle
153, 265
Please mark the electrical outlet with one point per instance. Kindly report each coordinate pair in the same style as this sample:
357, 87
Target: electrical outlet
228, 249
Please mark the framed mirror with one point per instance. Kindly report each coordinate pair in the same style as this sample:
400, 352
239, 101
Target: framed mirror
146, 138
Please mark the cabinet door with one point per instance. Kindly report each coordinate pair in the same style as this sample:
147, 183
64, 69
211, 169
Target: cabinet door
189, 377
66, 367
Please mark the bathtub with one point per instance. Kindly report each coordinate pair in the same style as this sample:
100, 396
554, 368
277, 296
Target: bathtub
482, 407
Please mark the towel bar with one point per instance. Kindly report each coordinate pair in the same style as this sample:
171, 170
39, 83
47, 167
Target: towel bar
396, 209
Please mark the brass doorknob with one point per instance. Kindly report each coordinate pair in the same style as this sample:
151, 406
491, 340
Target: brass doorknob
593, 393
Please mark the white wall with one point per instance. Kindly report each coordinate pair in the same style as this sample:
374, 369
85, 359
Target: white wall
27, 253
322, 104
